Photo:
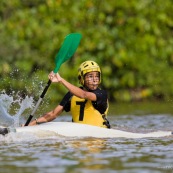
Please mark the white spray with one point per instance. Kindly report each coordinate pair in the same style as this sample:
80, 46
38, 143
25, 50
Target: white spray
7, 102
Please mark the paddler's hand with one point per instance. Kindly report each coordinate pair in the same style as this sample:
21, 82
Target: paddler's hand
54, 77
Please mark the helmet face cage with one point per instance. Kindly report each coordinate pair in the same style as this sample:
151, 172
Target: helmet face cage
86, 67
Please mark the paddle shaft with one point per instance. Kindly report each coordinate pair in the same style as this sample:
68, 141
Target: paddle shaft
38, 102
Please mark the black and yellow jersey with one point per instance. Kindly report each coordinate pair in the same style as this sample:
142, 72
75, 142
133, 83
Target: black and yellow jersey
87, 111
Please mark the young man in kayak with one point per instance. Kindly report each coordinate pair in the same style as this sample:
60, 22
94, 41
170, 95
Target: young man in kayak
88, 104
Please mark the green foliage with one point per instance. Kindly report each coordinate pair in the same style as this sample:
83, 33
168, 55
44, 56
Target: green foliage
131, 40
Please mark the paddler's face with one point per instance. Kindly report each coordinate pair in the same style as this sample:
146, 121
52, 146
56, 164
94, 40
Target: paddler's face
91, 80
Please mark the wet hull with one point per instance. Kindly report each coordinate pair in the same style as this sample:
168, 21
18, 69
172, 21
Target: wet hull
69, 129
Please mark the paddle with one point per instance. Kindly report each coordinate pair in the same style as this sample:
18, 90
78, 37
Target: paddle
66, 51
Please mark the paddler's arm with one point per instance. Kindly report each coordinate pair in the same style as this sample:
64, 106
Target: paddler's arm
72, 88
50, 116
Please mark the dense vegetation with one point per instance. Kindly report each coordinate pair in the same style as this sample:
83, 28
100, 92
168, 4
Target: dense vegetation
131, 40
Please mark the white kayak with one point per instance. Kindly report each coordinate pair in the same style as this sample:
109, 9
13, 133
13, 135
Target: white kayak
69, 129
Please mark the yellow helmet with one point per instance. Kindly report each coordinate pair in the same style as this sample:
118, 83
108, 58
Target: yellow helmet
86, 67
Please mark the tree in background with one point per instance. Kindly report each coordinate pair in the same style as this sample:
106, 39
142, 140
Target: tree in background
131, 40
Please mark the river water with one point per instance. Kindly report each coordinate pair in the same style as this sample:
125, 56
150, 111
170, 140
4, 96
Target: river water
27, 153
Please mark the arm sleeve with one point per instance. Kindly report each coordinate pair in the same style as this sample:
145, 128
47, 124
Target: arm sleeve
65, 102
101, 103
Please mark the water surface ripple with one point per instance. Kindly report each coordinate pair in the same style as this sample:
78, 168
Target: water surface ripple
56, 154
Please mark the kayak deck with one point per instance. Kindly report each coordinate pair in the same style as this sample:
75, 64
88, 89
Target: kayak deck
70, 129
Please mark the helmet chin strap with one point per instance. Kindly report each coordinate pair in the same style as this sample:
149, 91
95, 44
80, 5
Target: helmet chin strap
87, 87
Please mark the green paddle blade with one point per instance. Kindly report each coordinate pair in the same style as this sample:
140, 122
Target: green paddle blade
67, 49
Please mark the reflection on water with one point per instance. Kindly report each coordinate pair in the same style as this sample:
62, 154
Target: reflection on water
53, 153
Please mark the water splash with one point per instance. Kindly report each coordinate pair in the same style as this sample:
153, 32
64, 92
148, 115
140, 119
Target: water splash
17, 104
